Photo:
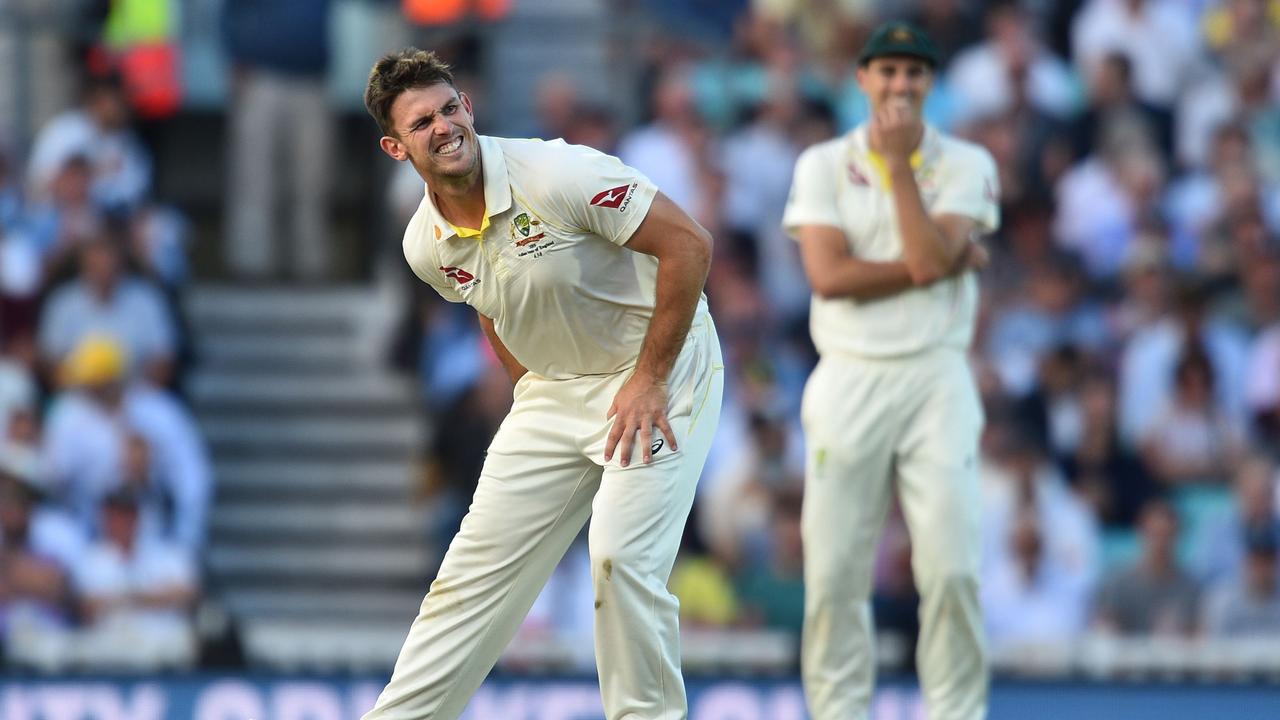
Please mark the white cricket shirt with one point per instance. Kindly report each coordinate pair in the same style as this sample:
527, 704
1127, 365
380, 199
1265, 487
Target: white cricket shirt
840, 183
549, 267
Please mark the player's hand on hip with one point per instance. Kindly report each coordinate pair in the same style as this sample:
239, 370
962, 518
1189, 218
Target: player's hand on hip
639, 407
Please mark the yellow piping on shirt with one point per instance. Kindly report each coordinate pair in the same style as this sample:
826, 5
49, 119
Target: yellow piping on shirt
470, 232
882, 168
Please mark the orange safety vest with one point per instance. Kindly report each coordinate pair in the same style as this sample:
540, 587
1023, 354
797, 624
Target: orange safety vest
448, 12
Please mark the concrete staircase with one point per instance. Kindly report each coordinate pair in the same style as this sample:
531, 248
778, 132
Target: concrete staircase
316, 550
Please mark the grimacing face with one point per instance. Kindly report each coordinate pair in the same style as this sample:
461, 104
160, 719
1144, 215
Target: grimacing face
896, 77
434, 129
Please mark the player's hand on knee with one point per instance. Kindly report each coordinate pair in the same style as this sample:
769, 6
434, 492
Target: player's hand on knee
639, 407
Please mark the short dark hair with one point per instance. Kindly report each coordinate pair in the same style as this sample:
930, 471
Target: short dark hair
396, 72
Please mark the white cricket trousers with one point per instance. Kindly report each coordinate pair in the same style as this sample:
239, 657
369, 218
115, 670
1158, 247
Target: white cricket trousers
544, 475
869, 422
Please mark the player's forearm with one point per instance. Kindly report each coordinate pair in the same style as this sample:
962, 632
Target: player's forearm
927, 252
861, 280
509, 361
682, 272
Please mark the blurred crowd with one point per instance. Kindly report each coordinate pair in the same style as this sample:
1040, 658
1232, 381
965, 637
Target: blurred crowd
1129, 340
105, 482
1128, 348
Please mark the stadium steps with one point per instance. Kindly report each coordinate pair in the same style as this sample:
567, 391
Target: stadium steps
329, 562
283, 479
316, 604
315, 448
304, 645
239, 388
336, 432
254, 518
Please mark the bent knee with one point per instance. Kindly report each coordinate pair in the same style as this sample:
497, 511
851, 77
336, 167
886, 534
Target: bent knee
948, 586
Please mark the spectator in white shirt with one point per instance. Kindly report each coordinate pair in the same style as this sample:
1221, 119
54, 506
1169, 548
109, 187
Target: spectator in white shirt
137, 594
1054, 311
983, 76
100, 130
1245, 91
757, 161
87, 433
105, 300
1249, 607
1157, 36
1220, 554
1103, 198
1191, 441
1018, 478
1149, 361
64, 215
1203, 204
1025, 601
38, 546
670, 151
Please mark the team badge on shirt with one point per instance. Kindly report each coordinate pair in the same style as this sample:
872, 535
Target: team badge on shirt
521, 224
617, 198
526, 230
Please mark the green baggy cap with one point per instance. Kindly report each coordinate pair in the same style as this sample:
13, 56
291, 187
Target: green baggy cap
899, 38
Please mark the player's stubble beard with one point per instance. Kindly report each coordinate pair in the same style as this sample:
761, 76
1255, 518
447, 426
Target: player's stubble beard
451, 173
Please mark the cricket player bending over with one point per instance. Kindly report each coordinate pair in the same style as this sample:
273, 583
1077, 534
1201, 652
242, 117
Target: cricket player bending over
588, 283
886, 218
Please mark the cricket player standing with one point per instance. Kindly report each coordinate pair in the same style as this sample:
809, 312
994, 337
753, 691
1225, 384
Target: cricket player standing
886, 218
588, 283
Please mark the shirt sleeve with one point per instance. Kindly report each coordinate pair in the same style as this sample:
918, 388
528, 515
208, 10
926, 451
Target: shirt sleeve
600, 194
812, 200
970, 187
